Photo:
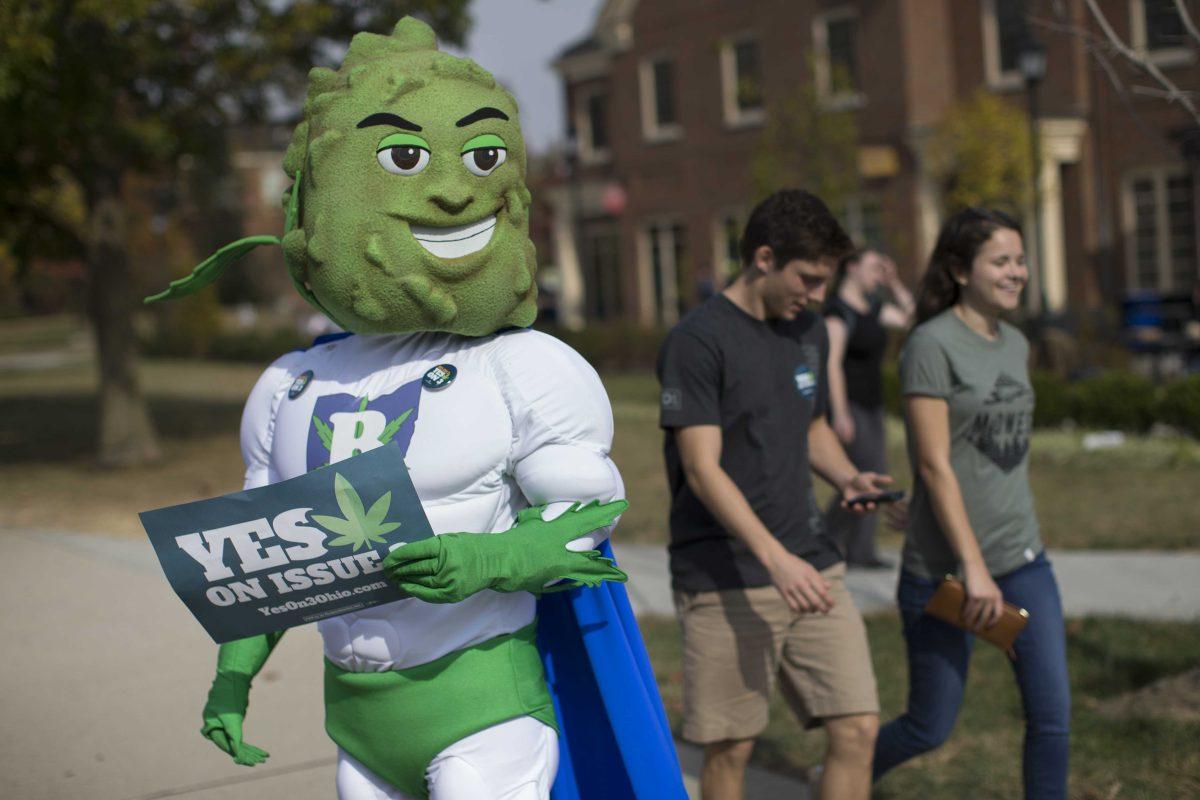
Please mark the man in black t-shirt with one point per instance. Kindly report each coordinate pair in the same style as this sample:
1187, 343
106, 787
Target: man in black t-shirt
758, 585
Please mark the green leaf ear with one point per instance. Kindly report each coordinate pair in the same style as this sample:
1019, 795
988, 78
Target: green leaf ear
213, 267
291, 215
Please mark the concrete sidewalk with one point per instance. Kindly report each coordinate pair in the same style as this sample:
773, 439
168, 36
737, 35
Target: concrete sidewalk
105, 674
1140, 584
106, 671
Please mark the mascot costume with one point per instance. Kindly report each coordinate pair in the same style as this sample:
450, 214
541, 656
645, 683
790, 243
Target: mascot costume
407, 224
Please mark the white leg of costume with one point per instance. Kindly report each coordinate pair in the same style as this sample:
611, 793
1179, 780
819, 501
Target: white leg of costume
515, 760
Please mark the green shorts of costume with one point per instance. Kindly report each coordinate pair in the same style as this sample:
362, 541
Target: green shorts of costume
396, 722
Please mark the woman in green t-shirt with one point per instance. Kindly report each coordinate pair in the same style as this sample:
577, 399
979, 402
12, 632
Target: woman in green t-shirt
968, 412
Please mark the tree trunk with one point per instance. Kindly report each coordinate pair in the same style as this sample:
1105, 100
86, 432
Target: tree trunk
127, 435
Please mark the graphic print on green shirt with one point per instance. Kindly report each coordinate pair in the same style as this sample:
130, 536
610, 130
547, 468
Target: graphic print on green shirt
1000, 433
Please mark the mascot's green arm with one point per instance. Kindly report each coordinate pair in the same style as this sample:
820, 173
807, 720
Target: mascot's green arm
526, 558
225, 712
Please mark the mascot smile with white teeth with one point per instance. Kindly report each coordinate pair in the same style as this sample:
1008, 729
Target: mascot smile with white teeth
516, 665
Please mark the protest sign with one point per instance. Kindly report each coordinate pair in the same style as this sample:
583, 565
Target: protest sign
293, 552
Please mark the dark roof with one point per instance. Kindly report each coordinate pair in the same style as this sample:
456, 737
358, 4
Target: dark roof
586, 45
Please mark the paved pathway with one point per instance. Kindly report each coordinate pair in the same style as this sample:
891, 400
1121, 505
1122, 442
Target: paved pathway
105, 670
1141, 584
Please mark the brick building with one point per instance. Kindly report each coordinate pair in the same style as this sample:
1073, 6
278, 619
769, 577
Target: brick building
667, 100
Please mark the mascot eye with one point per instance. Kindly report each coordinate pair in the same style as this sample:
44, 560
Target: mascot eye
403, 154
481, 162
403, 159
483, 154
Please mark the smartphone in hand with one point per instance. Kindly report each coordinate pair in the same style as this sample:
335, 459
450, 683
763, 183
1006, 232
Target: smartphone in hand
876, 497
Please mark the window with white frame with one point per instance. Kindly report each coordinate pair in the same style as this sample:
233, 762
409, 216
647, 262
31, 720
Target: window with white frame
863, 220
835, 43
1160, 230
727, 254
601, 262
660, 116
741, 81
1157, 30
1003, 34
665, 248
591, 123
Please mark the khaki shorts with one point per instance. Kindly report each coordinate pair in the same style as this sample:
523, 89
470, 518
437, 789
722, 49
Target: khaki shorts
735, 643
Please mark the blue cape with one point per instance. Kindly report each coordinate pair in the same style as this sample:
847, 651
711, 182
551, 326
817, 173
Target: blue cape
614, 739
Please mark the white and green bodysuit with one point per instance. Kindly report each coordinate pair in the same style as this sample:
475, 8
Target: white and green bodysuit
525, 421
407, 222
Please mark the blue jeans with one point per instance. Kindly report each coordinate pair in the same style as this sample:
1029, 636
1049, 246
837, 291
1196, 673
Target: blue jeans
937, 672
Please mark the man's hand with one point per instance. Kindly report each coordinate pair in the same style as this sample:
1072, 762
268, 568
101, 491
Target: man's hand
864, 483
526, 558
802, 587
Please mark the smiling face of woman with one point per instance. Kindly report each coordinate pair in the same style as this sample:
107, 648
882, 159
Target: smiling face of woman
998, 274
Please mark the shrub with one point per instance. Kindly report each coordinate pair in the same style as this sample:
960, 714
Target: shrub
893, 403
1180, 404
613, 345
1116, 400
256, 346
1054, 399
184, 329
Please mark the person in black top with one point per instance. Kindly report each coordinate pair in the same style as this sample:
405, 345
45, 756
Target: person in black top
758, 585
856, 319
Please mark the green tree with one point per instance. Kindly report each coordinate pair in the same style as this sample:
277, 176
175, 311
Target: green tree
95, 91
981, 153
807, 146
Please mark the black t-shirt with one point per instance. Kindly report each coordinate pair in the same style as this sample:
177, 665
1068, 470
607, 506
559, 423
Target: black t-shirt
863, 362
763, 383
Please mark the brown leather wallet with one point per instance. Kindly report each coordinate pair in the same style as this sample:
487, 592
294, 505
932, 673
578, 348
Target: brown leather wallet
947, 605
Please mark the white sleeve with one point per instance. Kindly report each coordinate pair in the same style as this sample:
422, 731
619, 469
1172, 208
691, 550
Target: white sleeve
562, 427
258, 420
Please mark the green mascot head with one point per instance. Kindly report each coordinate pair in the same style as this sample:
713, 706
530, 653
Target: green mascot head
409, 210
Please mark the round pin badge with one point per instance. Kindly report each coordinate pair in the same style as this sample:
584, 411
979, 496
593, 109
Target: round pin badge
440, 376
300, 384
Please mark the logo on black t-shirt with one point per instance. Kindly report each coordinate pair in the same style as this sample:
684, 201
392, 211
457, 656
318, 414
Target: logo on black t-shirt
806, 381
805, 375
1002, 434
672, 400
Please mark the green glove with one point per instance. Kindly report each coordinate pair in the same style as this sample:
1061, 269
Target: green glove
454, 566
225, 712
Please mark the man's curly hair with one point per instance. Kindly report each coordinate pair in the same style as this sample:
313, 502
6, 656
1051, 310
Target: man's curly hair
795, 224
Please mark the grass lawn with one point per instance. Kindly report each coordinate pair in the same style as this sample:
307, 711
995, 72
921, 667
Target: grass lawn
1140, 495
1131, 497
48, 478
1136, 496
1111, 758
32, 334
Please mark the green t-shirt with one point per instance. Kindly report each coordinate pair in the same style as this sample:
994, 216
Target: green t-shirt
986, 385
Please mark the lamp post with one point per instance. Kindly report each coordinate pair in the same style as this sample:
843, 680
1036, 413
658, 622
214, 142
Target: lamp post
573, 285
1031, 61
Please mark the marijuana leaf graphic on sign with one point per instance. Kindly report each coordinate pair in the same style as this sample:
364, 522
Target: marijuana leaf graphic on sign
360, 528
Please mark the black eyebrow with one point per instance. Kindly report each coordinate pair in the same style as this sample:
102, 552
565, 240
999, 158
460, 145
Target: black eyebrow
487, 112
384, 118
